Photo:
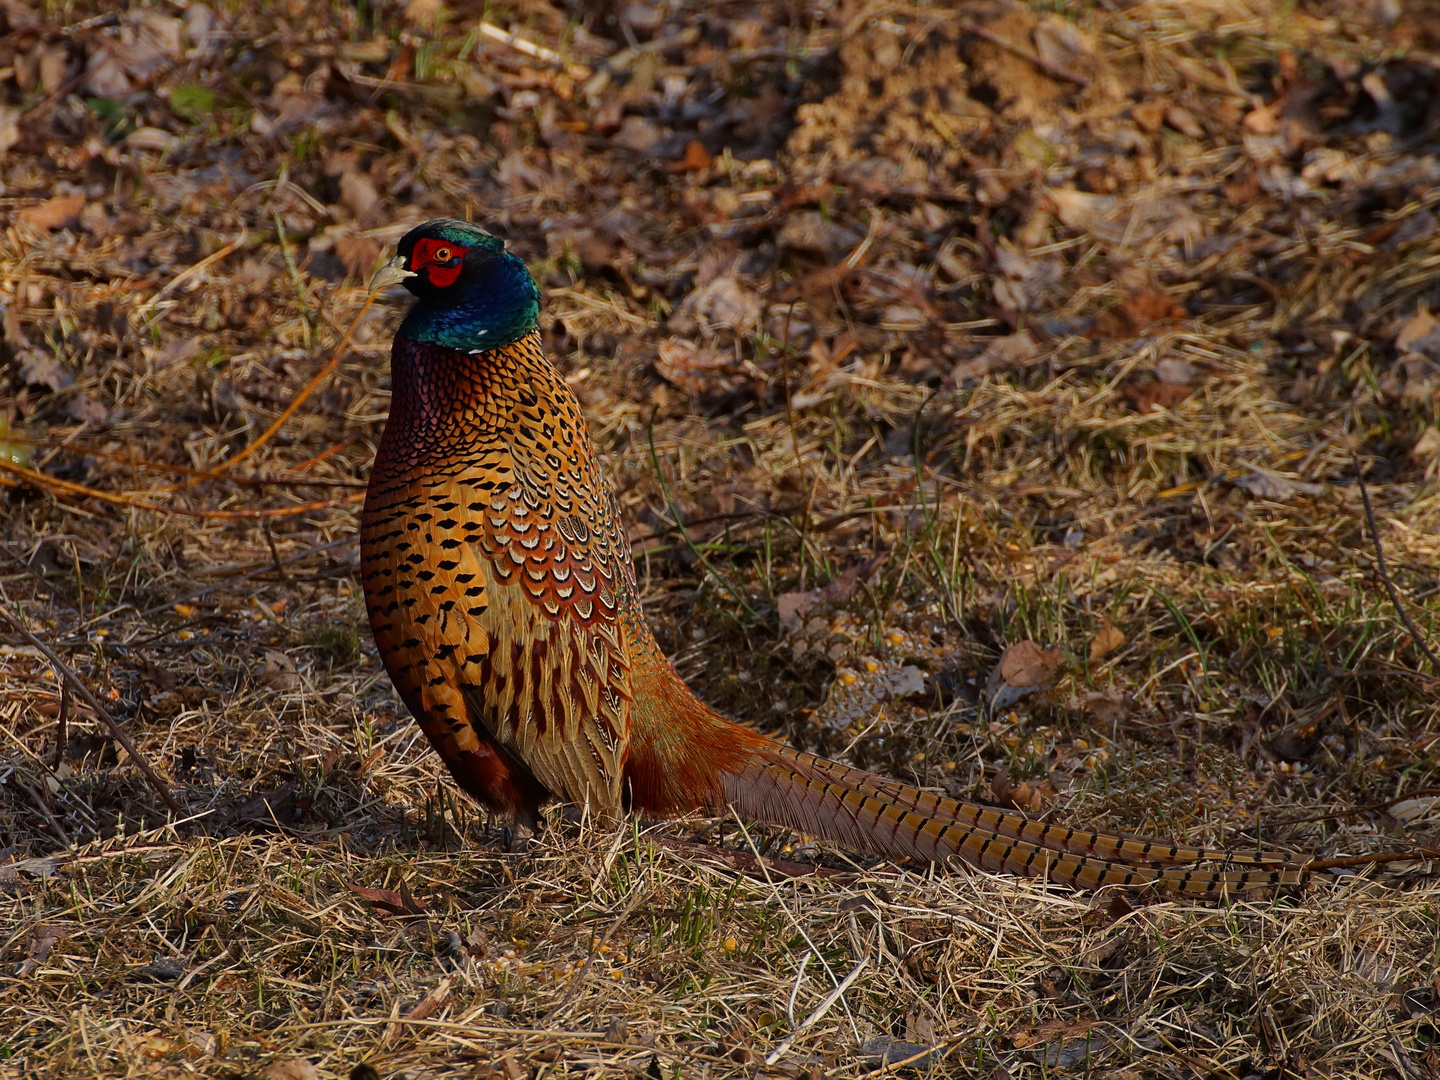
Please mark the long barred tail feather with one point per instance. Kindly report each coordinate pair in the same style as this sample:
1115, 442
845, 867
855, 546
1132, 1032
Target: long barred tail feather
870, 813
1108, 846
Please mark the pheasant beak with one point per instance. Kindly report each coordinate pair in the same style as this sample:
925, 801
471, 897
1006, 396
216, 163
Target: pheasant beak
392, 273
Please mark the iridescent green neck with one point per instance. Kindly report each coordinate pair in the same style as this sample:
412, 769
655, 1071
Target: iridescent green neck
497, 304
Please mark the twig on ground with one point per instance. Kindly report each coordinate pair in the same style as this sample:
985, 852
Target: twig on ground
1369, 808
889, 1067
1059, 71
286, 479
1385, 574
579, 980
311, 462
820, 1010
189, 272
792, 917
60, 719
423, 1008
230, 582
305, 391
54, 484
60, 832
748, 862
274, 554
795, 989
68, 673
538, 52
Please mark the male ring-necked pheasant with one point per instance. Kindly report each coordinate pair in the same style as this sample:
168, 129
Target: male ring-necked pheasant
502, 596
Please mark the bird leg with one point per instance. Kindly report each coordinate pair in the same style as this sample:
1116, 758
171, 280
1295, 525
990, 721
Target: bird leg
517, 837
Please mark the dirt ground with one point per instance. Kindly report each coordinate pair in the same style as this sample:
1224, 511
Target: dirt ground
986, 385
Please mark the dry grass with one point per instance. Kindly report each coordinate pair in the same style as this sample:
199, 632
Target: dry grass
866, 300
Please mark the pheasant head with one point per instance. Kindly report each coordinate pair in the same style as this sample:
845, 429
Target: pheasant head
473, 294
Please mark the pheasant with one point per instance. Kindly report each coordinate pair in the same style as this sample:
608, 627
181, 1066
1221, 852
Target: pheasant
502, 596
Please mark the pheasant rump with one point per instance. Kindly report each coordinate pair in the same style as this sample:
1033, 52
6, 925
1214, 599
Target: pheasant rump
502, 596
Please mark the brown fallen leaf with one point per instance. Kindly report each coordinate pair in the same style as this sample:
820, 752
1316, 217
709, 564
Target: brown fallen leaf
1148, 395
358, 194
1085, 210
1183, 121
1105, 910
1107, 711
815, 232
158, 677
86, 408
54, 213
45, 937
723, 303
693, 368
37, 868
1299, 740
919, 1026
280, 672
1027, 797
9, 127
422, 12
1242, 192
1108, 947
1149, 115
638, 134
1427, 446
1106, 640
1174, 370
358, 254
290, 1069
1137, 314
1027, 665
389, 901
269, 806
422, 1009
1013, 352
433, 1000
1419, 326
595, 250
696, 158
43, 369
1264, 120
162, 969
1415, 812
1023, 668
794, 608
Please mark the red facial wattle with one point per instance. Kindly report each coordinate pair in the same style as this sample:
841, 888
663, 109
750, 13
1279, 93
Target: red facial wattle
439, 260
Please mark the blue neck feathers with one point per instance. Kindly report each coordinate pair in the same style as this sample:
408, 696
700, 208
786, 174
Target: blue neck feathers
496, 304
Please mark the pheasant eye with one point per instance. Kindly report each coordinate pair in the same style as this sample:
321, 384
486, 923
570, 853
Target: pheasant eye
442, 254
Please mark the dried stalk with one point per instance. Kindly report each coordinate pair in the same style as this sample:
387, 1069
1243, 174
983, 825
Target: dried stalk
1384, 572
161, 788
54, 484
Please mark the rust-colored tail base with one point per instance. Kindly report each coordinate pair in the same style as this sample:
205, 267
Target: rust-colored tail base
870, 813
